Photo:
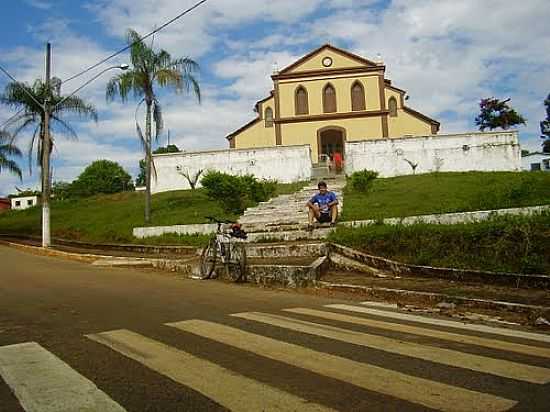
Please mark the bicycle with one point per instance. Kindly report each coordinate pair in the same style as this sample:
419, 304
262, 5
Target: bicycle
227, 248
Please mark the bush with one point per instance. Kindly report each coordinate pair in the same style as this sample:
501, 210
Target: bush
102, 176
361, 181
236, 193
517, 244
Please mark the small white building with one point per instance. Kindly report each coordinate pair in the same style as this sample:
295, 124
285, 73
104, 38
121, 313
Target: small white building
536, 161
24, 202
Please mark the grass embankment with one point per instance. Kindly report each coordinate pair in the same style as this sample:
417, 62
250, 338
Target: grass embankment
515, 244
111, 218
445, 193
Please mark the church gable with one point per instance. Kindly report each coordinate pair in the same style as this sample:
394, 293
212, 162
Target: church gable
327, 57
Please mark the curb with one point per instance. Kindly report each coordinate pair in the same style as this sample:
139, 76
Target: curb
396, 293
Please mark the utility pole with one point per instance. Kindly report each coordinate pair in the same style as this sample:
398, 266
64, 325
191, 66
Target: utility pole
46, 142
168, 138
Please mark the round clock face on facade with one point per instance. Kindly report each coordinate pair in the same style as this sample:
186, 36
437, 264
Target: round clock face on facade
327, 62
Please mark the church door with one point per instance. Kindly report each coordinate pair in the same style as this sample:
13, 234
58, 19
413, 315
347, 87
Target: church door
330, 141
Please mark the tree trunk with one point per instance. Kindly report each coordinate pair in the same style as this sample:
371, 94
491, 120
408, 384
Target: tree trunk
148, 163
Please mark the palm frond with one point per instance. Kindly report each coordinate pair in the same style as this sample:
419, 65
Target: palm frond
66, 127
10, 150
76, 105
11, 166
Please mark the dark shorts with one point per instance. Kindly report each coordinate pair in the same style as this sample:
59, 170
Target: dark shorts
324, 218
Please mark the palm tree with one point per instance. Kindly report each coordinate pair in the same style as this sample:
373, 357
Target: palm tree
7, 149
29, 101
151, 67
30, 113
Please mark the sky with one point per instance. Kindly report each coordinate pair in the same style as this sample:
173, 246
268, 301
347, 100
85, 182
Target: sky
446, 54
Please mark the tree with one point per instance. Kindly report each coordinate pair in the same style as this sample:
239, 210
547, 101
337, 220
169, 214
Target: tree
30, 103
171, 148
101, 176
17, 96
151, 67
495, 113
7, 150
545, 127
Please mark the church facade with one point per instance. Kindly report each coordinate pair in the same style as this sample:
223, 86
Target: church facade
326, 99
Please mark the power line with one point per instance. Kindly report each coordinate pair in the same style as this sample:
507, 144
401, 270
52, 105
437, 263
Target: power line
198, 4
21, 87
11, 118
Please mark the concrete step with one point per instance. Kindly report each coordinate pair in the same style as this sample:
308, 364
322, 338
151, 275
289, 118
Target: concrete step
291, 235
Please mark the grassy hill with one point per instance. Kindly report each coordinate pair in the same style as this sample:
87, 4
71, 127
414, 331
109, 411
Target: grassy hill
111, 218
446, 193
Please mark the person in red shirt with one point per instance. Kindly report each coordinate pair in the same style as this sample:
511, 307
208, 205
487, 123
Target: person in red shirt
337, 159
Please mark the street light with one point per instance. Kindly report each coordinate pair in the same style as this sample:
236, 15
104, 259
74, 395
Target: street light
46, 234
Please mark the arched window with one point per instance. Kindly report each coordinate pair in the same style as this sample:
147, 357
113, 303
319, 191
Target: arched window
268, 117
302, 106
357, 96
392, 107
329, 99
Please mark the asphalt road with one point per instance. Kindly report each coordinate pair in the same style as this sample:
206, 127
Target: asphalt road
120, 339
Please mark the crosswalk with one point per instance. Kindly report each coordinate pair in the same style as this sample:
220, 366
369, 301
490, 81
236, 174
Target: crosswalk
42, 382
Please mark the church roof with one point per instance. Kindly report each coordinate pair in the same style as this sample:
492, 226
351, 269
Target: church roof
360, 60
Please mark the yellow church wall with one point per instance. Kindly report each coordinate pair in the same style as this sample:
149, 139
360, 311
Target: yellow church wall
316, 62
315, 88
264, 105
392, 93
306, 132
256, 135
406, 124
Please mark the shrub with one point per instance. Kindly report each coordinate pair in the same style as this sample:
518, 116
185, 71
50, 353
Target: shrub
236, 193
362, 180
101, 176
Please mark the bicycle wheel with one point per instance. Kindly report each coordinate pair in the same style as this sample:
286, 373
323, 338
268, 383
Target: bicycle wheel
209, 257
236, 268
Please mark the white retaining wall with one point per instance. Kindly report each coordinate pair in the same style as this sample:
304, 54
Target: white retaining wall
285, 164
499, 151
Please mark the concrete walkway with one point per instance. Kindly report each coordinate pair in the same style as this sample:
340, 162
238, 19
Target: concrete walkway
285, 217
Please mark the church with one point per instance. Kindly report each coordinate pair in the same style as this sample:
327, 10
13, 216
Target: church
327, 98
332, 101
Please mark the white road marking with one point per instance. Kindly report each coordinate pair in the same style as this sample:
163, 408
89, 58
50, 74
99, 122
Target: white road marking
433, 333
448, 323
498, 367
418, 390
44, 383
233, 391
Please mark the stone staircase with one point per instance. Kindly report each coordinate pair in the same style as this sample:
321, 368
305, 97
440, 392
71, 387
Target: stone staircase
285, 217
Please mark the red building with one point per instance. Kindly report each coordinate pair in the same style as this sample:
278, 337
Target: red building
5, 204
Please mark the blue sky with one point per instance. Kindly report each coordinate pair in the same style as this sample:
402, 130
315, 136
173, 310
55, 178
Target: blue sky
446, 54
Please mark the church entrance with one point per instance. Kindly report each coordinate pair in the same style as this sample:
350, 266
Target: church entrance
330, 141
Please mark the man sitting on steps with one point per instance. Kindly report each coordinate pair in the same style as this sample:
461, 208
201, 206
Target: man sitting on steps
323, 207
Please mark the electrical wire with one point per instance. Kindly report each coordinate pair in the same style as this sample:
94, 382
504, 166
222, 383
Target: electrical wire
22, 88
198, 4
11, 118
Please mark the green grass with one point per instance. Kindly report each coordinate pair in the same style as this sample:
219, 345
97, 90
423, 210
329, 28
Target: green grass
111, 218
517, 244
445, 193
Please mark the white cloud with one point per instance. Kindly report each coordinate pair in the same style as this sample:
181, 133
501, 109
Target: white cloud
39, 4
446, 54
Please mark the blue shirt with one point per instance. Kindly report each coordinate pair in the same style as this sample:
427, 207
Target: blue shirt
323, 201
